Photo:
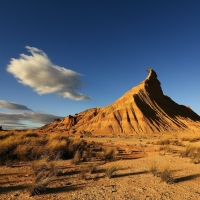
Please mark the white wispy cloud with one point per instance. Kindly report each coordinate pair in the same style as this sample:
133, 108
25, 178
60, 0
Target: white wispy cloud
37, 71
13, 106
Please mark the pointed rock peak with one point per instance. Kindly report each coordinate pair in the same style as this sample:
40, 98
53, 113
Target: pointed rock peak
152, 84
152, 76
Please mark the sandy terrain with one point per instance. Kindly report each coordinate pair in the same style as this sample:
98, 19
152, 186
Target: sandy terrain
132, 180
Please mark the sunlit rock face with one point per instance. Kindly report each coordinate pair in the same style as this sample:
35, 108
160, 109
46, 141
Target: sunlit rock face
142, 110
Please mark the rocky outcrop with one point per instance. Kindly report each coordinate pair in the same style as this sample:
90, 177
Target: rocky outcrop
142, 110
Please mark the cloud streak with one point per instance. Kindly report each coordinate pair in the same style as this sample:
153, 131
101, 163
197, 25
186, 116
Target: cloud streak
13, 106
38, 72
15, 119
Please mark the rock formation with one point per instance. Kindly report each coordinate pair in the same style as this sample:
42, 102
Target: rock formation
142, 110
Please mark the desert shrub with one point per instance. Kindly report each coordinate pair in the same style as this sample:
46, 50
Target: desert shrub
167, 175
31, 135
74, 145
4, 135
86, 155
77, 157
55, 147
195, 139
166, 148
163, 142
23, 152
39, 185
110, 153
185, 139
196, 158
43, 171
7, 148
111, 170
154, 169
193, 152
40, 166
92, 168
176, 143
189, 151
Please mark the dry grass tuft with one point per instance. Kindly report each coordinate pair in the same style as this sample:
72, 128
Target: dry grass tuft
77, 157
167, 175
44, 171
193, 152
110, 153
154, 169
92, 168
163, 142
166, 148
111, 170
39, 186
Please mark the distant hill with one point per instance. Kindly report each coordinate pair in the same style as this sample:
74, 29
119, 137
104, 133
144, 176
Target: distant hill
142, 110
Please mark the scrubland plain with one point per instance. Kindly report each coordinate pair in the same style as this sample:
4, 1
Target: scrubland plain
56, 166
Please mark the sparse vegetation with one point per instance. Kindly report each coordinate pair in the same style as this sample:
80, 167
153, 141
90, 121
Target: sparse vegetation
154, 169
111, 170
193, 152
33, 146
110, 153
191, 139
77, 157
92, 168
44, 171
31, 135
163, 142
166, 148
166, 175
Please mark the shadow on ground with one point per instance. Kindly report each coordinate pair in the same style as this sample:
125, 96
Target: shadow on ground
64, 189
187, 178
129, 174
12, 188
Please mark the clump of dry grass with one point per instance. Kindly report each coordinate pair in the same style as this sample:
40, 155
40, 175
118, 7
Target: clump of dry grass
31, 135
195, 139
39, 185
4, 135
166, 175
193, 152
86, 155
92, 168
163, 142
77, 157
39, 166
43, 171
111, 170
166, 148
176, 143
154, 169
110, 153
191, 139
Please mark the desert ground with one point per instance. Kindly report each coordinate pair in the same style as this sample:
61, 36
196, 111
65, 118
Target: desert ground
131, 167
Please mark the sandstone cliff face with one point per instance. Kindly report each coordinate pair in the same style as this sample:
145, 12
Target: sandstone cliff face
142, 110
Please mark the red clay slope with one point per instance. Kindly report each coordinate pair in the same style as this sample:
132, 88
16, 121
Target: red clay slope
142, 110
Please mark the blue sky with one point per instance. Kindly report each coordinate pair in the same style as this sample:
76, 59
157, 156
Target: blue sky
84, 54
